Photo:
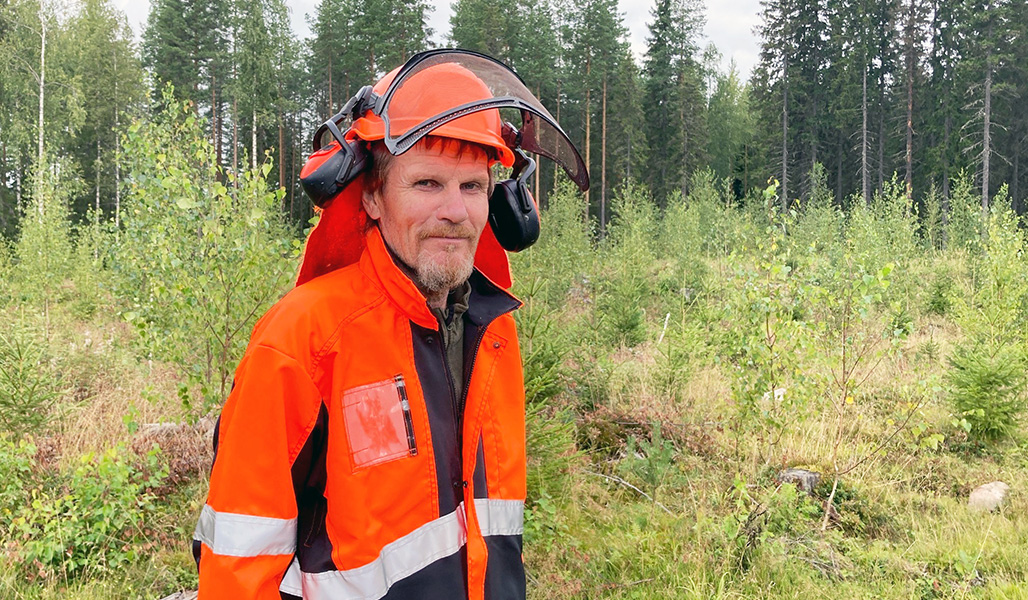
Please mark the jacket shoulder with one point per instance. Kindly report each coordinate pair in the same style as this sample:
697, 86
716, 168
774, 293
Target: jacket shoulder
305, 319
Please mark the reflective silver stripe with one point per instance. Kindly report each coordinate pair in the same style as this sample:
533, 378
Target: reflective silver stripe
292, 583
500, 517
230, 534
397, 560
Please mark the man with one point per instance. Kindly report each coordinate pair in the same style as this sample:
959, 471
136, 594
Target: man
373, 445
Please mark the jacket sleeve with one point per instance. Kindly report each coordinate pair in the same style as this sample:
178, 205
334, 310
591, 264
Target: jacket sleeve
246, 534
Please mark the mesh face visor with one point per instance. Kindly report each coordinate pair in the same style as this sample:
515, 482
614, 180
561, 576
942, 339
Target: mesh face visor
450, 84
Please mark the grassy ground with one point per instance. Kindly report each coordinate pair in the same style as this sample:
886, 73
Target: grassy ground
654, 448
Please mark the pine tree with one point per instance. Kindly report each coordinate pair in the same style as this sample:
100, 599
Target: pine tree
673, 85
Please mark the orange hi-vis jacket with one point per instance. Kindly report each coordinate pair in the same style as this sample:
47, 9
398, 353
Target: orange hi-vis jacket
342, 468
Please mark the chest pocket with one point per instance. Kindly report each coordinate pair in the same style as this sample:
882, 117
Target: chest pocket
379, 427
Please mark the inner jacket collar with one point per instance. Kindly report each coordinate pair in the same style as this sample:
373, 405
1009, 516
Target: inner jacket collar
487, 300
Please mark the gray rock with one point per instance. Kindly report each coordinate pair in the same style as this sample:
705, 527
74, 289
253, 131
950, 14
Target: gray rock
988, 497
182, 596
804, 480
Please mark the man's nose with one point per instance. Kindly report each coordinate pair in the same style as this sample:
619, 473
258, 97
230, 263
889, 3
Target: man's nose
453, 207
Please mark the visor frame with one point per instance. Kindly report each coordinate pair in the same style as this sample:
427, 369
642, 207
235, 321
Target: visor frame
379, 104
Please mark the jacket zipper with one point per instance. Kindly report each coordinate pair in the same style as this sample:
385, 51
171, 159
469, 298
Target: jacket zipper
457, 420
408, 422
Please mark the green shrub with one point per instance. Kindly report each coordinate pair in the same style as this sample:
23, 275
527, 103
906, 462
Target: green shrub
940, 295
543, 346
563, 257
627, 283
44, 245
987, 380
988, 390
203, 252
819, 227
89, 520
29, 385
964, 223
650, 462
15, 478
550, 442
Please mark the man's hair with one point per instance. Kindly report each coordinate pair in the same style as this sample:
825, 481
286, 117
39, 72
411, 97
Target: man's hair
381, 158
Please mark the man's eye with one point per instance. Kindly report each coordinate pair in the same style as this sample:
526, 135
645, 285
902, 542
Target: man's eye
472, 186
425, 183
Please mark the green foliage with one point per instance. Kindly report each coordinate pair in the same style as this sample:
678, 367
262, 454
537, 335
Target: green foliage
964, 222
626, 285
768, 334
933, 220
90, 520
887, 231
93, 242
988, 391
203, 254
563, 257
674, 361
550, 442
987, 380
44, 247
650, 461
29, 384
16, 476
6, 269
940, 295
819, 228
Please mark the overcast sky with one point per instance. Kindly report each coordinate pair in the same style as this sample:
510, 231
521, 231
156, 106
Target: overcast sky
730, 24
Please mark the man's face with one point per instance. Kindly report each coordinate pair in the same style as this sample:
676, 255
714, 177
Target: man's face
431, 209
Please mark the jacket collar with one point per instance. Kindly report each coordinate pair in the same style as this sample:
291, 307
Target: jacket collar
377, 263
486, 302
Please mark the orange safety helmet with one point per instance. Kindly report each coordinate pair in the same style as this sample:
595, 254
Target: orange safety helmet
449, 93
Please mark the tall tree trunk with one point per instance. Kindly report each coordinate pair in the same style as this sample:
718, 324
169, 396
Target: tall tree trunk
235, 142
986, 132
538, 170
42, 91
117, 174
96, 173
17, 186
603, 162
588, 120
911, 59
253, 137
881, 134
946, 130
331, 109
865, 175
785, 132
281, 153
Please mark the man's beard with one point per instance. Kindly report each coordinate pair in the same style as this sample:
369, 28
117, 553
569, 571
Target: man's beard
441, 272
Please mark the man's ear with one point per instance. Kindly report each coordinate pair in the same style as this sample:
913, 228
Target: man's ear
372, 203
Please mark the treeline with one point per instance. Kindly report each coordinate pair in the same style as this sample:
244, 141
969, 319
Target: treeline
927, 89
922, 88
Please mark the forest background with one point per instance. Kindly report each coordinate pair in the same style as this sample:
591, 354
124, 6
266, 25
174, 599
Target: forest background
822, 267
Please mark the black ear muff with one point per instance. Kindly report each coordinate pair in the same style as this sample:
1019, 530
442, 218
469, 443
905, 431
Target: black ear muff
336, 162
513, 214
329, 170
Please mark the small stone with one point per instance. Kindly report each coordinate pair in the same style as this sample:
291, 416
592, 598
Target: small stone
988, 497
804, 480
